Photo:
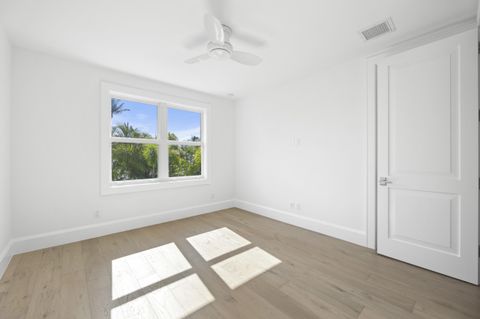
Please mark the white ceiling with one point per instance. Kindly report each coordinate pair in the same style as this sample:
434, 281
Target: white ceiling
149, 37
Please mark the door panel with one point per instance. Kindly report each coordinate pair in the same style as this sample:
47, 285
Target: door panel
428, 153
411, 214
423, 115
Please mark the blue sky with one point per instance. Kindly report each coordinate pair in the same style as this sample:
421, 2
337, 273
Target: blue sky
143, 116
184, 124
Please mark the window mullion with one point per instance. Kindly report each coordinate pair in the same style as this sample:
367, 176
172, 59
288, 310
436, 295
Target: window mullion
132, 140
185, 143
163, 141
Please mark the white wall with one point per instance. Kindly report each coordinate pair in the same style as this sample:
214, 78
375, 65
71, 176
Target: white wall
56, 148
5, 107
326, 172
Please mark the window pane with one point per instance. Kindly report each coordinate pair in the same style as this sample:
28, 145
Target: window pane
183, 125
184, 160
133, 119
134, 161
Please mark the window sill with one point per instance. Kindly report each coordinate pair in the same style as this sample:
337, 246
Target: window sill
120, 188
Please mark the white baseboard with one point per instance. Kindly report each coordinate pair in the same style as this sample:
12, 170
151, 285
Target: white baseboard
55, 238
348, 234
5, 257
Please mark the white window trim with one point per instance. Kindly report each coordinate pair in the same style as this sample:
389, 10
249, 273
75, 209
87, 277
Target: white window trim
163, 102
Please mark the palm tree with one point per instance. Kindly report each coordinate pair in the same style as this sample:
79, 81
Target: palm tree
126, 130
118, 107
172, 136
133, 160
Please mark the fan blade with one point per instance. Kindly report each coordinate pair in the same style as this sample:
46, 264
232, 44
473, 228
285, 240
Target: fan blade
214, 29
245, 58
198, 59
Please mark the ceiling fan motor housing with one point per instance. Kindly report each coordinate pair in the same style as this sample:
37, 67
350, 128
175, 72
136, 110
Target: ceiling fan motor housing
219, 47
220, 51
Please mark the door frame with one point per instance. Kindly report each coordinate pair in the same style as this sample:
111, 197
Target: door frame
371, 65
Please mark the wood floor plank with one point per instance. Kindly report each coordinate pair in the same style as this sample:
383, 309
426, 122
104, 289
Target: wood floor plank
318, 277
14, 305
74, 303
45, 302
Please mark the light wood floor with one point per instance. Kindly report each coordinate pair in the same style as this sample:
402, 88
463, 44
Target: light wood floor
319, 277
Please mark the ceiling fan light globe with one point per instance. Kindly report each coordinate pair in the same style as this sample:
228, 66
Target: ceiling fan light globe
220, 54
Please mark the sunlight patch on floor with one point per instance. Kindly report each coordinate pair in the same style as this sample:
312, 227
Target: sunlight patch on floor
186, 295
237, 270
217, 242
139, 270
176, 300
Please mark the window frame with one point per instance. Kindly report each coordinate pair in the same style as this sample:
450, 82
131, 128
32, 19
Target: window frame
163, 103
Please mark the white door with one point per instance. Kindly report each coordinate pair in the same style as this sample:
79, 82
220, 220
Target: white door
428, 156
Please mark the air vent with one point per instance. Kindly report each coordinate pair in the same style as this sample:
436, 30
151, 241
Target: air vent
377, 30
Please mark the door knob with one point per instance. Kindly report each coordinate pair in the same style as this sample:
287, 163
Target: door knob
384, 181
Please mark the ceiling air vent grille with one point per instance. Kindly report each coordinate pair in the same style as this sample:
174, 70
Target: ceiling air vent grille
377, 30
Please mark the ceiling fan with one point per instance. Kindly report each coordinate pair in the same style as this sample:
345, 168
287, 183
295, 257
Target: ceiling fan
219, 46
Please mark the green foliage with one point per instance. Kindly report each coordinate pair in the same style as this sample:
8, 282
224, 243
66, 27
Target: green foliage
172, 136
118, 107
134, 161
184, 160
140, 161
126, 130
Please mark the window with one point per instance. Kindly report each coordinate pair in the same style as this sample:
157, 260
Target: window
151, 141
184, 139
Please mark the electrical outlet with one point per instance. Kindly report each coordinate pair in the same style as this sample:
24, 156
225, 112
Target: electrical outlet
292, 205
212, 196
96, 214
297, 206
